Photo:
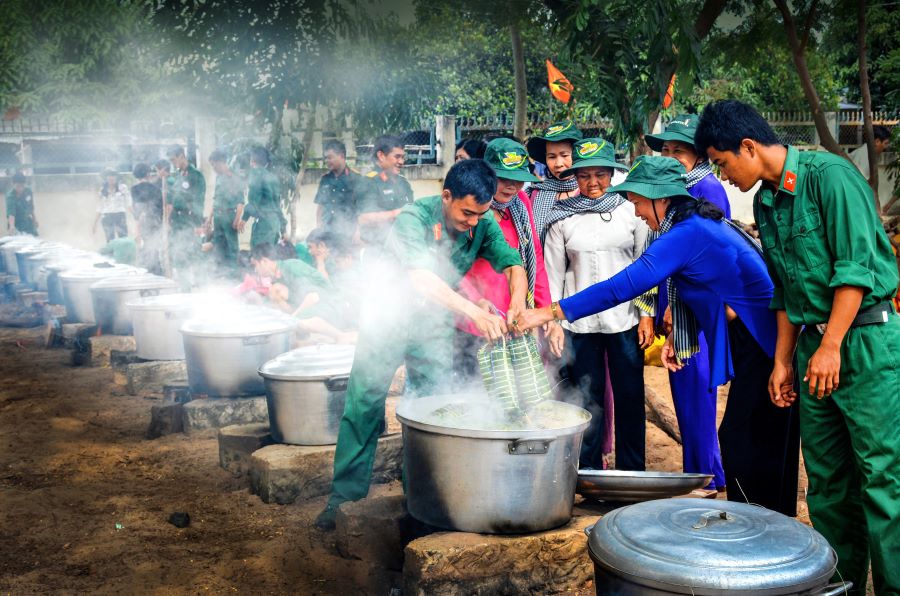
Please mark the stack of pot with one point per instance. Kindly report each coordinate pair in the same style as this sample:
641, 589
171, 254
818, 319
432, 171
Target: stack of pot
111, 295
305, 391
224, 349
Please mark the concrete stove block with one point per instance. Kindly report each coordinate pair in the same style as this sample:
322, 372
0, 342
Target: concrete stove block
458, 563
238, 442
218, 412
33, 298
73, 335
165, 419
102, 346
284, 473
153, 375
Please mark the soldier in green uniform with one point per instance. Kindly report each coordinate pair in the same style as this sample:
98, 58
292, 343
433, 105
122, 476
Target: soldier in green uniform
296, 286
185, 214
385, 192
337, 197
20, 207
263, 200
834, 278
409, 316
228, 207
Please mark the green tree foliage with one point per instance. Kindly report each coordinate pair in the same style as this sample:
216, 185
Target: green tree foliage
83, 60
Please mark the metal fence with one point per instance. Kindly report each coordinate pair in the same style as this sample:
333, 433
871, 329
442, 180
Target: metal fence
798, 128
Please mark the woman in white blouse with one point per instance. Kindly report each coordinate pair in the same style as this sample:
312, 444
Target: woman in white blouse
590, 238
115, 200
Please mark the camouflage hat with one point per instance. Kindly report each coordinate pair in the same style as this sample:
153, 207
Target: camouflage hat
558, 131
654, 177
509, 160
681, 129
593, 152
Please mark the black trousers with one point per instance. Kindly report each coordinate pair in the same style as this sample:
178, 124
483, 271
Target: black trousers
114, 225
760, 442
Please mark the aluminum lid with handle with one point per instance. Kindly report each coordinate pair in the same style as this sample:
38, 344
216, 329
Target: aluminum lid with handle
695, 546
310, 363
238, 321
136, 281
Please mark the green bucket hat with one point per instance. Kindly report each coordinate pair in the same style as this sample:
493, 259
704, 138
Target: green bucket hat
682, 128
558, 131
654, 177
593, 152
509, 160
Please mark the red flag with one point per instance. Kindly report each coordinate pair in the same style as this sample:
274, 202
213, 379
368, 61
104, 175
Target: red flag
670, 94
560, 87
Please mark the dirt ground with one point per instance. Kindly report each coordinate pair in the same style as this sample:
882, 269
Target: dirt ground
85, 498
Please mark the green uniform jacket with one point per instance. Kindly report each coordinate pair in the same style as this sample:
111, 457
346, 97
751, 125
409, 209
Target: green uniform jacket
819, 231
300, 279
338, 196
22, 208
264, 203
420, 239
228, 195
187, 196
382, 193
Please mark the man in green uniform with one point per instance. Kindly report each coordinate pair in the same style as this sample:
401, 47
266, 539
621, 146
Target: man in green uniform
385, 192
295, 285
431, 245
263, 200
337, 195
20, 207
834, 277
228, 207
185, 215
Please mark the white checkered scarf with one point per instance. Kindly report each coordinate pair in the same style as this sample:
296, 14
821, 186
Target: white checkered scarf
543, 197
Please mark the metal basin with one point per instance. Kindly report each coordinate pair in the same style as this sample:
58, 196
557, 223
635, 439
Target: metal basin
305, 392
223, 353
111, 295
619, 485
489, 479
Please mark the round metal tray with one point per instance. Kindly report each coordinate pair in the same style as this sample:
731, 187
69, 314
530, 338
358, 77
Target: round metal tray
618, 485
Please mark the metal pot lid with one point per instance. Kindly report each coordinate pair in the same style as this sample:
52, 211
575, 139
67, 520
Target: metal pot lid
128, 282
98, 271
692, 545
165, 302
77, 261
242, 321
310, 363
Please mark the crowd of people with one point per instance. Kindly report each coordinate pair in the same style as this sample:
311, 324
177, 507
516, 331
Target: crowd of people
598, 258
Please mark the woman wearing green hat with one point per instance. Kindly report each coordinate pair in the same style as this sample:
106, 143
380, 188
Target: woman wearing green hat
513, 211
714, 268
695, 401
553, 148
591, 237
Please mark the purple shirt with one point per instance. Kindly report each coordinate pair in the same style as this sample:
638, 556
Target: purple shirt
711, 189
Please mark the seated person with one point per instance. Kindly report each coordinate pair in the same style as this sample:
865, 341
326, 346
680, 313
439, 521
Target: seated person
123, 250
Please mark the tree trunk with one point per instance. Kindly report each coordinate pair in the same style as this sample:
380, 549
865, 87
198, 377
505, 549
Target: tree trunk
867, 100
298, 183
809, 90
521, 115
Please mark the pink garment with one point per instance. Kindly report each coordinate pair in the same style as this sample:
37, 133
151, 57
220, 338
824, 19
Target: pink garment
482, 281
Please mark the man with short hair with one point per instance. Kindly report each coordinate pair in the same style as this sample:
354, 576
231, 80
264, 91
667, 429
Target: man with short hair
148, 215
834, 277
384, 193
295, 287
228, 207
336, 198
185, 214
408, 318
860, 155
20, 207
263, 200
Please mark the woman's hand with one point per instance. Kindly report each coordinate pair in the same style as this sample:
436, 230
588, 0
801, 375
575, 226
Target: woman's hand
646, 333
668, 356
533, 317
556, 338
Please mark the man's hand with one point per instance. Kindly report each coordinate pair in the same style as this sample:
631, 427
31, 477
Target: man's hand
668, 357
646, 334
556, 338
781, 386
667, 321
489, 325
823, 371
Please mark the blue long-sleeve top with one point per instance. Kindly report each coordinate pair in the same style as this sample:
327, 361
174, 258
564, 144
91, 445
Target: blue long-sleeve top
711, 266
711, 189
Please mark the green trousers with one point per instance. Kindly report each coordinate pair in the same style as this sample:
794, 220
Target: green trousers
386, 341
225, 243
851, 448
266, 228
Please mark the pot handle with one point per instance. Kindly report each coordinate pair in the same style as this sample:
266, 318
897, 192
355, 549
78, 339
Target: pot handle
148, 292
711, 517
255, 340
835, 589
535, 446
338, 383
588, 530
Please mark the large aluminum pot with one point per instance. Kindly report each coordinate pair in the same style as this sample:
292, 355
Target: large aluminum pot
156, 321
8, 249
49, 274
695, 546
464, 471
76, 288
24, 253
111, 295
223, 352
36, 260
305, 392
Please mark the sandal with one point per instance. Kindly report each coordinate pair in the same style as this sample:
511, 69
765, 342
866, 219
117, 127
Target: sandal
704, 493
